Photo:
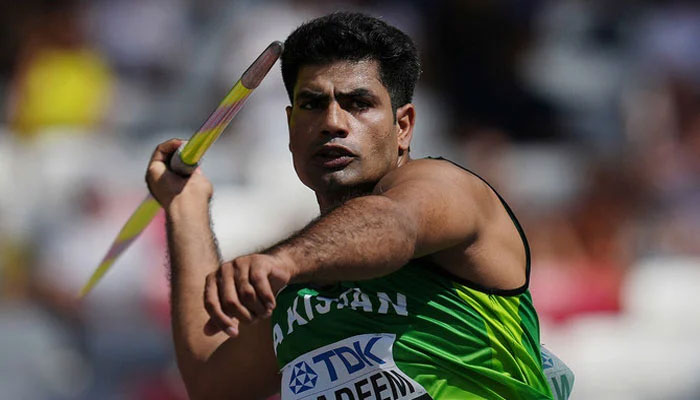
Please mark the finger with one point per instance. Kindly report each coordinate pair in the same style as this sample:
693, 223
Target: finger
162, 153
218, 318
266, 297
211, 329
277, 281
246, 291
230, 301
164, 150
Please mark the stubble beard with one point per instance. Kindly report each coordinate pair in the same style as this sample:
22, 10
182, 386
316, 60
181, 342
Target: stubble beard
337, 190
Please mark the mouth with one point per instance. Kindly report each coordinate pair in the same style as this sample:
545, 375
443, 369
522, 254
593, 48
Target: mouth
333, 157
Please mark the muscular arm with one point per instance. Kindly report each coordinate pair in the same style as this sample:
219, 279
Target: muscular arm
212, 365
342, 245
426, 207
418, 209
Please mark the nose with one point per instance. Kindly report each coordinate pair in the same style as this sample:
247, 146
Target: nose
335, 121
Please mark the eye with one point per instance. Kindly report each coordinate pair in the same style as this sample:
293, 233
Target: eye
309, 105
360, 105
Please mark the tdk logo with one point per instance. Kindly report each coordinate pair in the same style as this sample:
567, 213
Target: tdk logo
354, 368
353, 358
303, 378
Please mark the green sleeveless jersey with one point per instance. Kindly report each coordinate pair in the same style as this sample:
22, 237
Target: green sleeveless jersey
417, 333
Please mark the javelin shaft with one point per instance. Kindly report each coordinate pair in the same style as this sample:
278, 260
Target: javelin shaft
131, 230
230, 105
189, 156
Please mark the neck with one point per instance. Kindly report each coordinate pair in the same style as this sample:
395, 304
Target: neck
329, 200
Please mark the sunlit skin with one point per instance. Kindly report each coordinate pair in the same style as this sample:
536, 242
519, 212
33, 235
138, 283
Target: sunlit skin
343, 134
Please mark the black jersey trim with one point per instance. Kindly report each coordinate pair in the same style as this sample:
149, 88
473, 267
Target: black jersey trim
466, 282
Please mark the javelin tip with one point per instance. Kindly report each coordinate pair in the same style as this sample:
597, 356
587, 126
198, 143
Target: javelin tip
261, 66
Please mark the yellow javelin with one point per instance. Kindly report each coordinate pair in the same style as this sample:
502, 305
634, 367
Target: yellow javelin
188, 156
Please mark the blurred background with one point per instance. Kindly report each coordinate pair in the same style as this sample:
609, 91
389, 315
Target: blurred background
585, 115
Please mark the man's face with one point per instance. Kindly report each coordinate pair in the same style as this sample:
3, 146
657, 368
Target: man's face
342, 132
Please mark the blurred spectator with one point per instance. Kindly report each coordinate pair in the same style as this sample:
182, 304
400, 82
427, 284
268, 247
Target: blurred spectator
662, 115
474, 56
580, 256
58, 80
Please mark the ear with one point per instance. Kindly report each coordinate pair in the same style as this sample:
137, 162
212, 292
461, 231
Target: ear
288, 110
405, 121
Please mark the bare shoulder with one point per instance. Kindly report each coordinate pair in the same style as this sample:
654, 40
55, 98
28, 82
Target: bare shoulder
443, 178
464, 226
432, 168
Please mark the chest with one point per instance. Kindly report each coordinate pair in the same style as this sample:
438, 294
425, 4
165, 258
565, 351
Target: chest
306, 319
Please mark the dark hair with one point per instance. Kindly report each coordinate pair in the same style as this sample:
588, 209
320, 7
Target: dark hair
354, 37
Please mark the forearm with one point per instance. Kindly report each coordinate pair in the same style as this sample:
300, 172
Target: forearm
364, 238
193, 255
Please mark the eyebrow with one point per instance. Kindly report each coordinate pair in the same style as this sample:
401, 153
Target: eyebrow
359, 92
308, 94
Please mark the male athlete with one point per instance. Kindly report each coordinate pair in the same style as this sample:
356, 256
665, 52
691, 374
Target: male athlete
412, 284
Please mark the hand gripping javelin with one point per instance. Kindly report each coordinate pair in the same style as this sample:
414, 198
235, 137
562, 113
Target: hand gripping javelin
187, 157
